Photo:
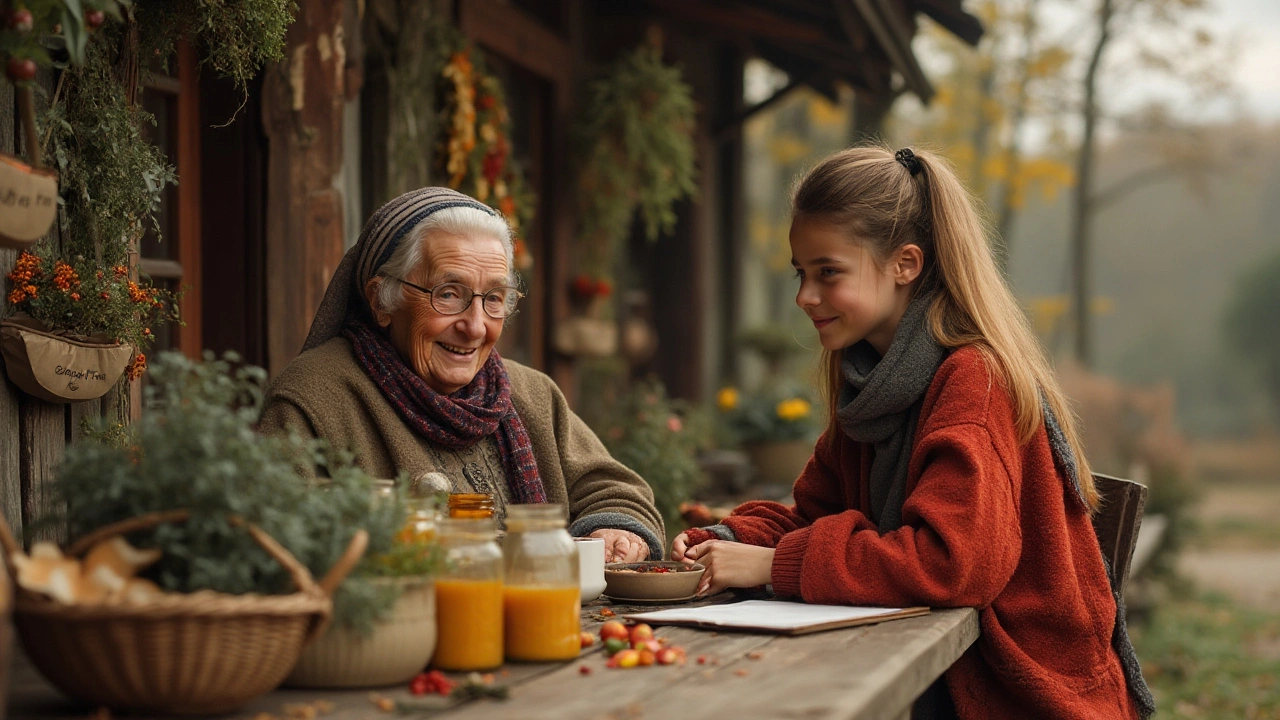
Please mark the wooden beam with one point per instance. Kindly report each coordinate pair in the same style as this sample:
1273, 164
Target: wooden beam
190, 334
733, 127
10, 475
896, 42
516, 35
303, 100
753, 21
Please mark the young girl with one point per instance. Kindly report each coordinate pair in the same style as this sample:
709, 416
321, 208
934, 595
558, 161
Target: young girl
951, 472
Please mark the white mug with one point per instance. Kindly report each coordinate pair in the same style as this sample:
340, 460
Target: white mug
590, 567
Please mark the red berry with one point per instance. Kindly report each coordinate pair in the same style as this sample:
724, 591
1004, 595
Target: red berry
21, 20
94, 18
21, 69
585, 669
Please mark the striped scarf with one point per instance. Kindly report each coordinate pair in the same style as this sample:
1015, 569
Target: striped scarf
460, 420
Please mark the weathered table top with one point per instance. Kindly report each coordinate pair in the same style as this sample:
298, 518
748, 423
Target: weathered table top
872, 672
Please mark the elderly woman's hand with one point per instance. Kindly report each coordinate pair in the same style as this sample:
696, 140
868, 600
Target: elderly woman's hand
621, 545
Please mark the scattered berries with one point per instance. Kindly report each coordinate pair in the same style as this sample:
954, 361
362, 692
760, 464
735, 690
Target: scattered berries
433, 682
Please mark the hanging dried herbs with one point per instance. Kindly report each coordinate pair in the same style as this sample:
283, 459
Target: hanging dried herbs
638, 153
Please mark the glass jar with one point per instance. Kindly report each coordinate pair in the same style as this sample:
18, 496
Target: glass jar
469, 596
470, 505
541, 598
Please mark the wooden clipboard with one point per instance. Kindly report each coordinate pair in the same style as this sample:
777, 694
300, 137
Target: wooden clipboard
775, 616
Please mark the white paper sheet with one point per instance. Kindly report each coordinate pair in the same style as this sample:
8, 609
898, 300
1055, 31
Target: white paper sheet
775, 615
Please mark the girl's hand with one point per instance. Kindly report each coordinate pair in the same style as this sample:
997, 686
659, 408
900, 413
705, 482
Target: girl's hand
679, 547
732, 564
622, 545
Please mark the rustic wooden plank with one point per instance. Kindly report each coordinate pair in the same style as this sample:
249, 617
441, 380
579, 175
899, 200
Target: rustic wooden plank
41, 445
874, 673
867, 672
10, 482
517, 35
567, 693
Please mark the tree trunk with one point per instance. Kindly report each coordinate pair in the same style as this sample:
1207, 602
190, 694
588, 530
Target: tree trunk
1081, 219
1004, 224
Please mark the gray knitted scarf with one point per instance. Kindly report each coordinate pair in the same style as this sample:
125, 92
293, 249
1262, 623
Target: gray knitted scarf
880, 404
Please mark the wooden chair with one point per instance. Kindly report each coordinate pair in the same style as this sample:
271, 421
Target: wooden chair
1116, 524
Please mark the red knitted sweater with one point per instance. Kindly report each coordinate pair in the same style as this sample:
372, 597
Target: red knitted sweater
987, 523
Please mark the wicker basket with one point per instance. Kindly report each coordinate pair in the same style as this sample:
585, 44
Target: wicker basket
189, 654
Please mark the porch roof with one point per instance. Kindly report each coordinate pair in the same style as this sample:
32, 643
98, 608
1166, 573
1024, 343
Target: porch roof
819, 42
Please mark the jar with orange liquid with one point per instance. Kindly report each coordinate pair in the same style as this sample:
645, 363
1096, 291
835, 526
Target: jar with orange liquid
469, 596
541, 598
470, 505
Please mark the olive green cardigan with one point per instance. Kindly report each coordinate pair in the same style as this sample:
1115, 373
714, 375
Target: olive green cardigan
325, 393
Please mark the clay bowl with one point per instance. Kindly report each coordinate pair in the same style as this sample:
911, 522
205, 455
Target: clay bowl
652, 581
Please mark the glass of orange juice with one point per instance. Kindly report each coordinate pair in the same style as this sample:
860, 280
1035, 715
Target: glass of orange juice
541, 598
469, 610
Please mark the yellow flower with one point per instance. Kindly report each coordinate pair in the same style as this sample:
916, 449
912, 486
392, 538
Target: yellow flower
727, 399
793, 409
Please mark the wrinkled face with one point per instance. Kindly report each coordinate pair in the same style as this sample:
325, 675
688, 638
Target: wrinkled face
447, 351
848, 296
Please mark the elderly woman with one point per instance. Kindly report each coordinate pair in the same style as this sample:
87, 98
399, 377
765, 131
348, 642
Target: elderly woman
400, 367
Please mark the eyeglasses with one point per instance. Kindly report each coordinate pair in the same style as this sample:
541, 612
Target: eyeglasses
454, 298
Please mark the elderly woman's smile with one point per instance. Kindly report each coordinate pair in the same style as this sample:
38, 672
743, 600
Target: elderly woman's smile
447, 351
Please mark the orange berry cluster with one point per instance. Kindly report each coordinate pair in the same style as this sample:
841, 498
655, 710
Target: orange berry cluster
136, 367
65, 276
140, 295
24, 270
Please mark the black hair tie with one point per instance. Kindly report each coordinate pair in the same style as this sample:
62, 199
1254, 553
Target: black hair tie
909, 161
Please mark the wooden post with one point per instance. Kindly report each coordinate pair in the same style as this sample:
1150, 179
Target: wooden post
10, 473
302, 108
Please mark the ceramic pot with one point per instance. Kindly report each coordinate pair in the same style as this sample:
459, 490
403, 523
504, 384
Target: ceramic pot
781, 462
399, 648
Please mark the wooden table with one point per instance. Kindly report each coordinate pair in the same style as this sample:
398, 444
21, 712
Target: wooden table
871, 672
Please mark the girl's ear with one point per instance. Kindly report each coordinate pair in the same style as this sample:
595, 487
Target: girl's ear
380, 314
907, 264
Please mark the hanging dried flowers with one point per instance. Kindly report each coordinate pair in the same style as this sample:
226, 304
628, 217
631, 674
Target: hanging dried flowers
475, 149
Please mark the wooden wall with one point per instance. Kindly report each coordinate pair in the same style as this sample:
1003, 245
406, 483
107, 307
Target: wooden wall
34, 434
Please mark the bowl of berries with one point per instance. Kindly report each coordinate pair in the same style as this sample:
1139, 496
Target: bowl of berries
657, 581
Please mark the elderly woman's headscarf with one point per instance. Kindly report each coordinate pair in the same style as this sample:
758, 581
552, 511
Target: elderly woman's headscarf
481, 409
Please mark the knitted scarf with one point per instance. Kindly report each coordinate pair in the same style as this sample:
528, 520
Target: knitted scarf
460, 420
880, 404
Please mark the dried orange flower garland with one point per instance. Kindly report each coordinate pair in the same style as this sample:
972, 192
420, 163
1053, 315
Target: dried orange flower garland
476, 148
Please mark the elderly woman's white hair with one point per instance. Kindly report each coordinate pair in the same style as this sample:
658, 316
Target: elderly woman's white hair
462, 221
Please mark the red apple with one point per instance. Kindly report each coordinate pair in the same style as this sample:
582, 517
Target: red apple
94, 18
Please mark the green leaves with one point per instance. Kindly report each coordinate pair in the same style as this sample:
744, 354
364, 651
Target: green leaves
637, 137
195, 448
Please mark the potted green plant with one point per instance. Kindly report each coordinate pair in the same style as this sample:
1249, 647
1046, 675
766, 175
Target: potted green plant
236, 540
363, 649
73, 330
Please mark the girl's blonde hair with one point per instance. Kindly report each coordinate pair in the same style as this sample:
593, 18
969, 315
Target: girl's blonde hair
884, 206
